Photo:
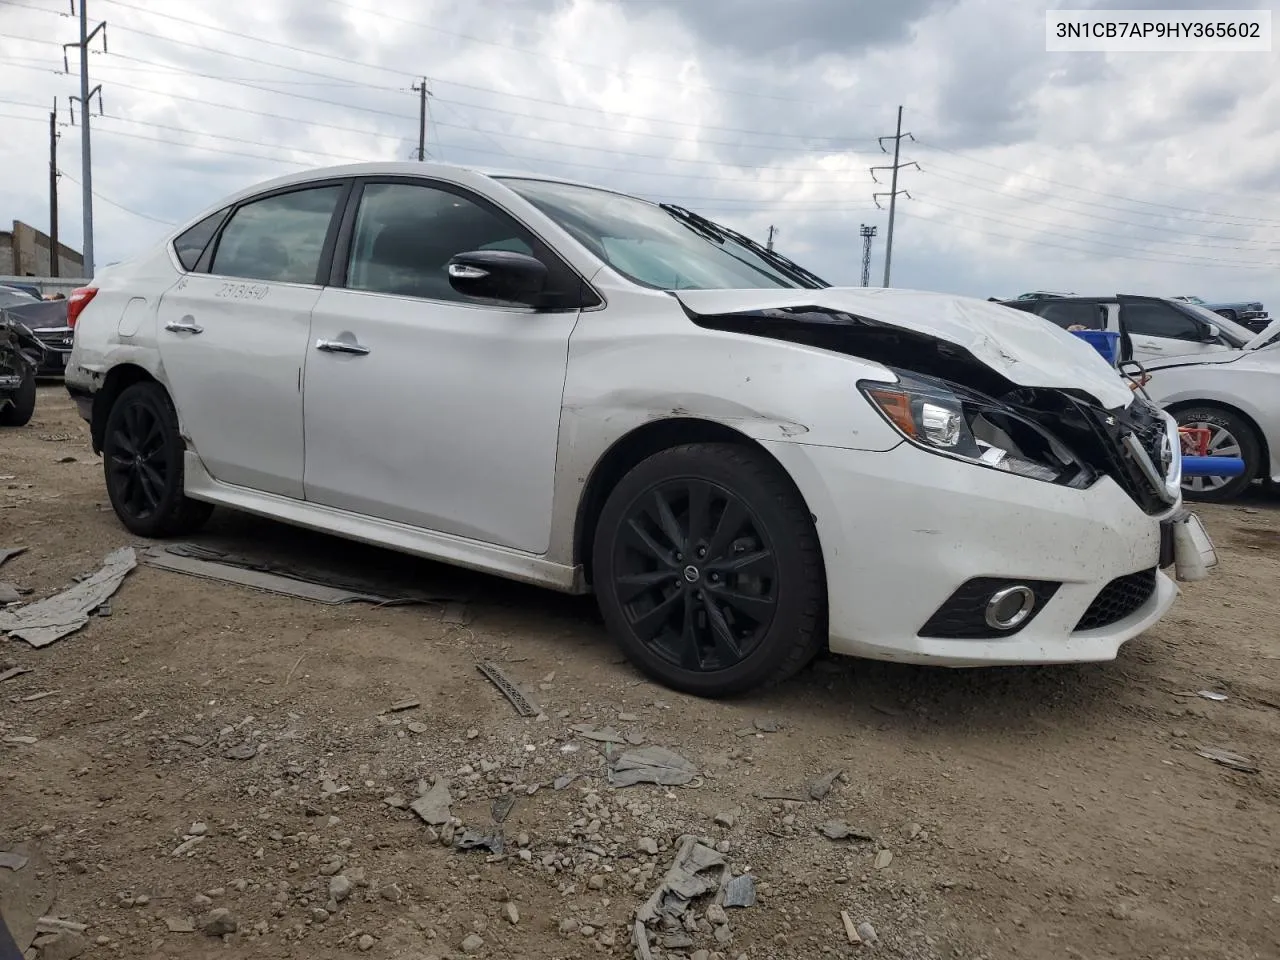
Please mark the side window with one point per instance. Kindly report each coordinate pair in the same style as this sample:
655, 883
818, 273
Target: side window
279, 238
1159, 320
191, 243
405, 234
1091, 316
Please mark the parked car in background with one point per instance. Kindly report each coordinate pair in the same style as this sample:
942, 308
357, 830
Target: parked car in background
1042, 295
47, 320
1154, 327
576, 388
20, 354
1250, 313
1204, 370
29, 289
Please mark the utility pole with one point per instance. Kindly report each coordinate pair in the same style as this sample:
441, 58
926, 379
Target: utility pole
866, 233
53, 190
772, 232
86, 155
422, 91
893, 188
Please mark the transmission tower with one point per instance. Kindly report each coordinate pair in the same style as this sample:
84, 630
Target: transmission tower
893, 190
866, 233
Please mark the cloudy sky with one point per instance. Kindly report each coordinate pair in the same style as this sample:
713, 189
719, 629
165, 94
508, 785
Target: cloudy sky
1085, 172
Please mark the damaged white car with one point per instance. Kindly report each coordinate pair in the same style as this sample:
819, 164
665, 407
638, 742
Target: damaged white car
575, 388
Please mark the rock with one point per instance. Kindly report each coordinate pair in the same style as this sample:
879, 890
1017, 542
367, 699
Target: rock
179, 925
723, 934
392, 892
200, 901
766, 725
716, 914
700, 955
569, 925
512, 913
219, 922
472, 944
198, 829
726, 819
867, 932
741, 891
141, 900
648, 845
596, 882
319, 915
883, 859
340, 889
913, 830
63, 946
839, 830
331, 867
365, 943
522, 840
433, 806
588, 930
722, 846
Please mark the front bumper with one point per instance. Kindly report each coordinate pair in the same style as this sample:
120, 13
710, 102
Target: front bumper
902, 531
57, 349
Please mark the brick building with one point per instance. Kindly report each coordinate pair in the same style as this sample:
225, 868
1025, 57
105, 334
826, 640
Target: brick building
24, 252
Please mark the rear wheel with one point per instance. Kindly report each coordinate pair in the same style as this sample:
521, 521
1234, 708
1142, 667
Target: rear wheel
1230, 435
142, 457
23, 408
1228, 315
708, 570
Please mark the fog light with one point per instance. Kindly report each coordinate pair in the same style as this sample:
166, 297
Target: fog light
1009, 607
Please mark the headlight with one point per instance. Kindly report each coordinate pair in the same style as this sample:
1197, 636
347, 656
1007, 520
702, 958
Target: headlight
949, 420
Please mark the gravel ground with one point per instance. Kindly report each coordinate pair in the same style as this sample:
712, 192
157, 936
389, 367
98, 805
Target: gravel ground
214, 771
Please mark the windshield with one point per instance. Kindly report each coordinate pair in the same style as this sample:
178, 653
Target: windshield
15, 298
656, 247
1232, 332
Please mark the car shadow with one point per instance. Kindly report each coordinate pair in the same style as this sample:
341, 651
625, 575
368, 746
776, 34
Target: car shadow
976, 701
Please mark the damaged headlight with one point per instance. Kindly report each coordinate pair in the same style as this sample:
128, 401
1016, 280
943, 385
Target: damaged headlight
948, 419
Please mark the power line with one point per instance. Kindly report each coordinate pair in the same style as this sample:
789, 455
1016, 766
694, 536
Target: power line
121, 206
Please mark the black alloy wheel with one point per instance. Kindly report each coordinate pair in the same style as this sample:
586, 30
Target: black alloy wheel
142, 458
708, 570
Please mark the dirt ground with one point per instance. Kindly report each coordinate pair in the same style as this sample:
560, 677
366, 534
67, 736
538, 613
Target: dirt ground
1031, 813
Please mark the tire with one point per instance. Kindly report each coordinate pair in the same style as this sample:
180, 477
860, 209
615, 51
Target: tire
715, 637
147, 491
1246, 442
23, 407
1227, 315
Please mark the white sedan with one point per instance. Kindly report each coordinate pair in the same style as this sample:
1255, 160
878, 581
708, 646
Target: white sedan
572, 387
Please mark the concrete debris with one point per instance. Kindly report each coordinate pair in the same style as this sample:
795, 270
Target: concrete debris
58, 925
472, 943
563, 781
656, 765
491, 840
9, 593
43, 622
62, 946
850, 928
180, 925
12, 861
365, 943
22, 741
883, 859
340, 888
433, 805
243, 751
640, 940
716, 915
839, 830
511, 912
648, 845
8, 553
821, 787
1228, 759
740, 891
766, 725
686, 879
218, 923
13, 672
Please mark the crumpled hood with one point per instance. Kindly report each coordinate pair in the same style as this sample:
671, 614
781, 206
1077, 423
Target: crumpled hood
1022, 347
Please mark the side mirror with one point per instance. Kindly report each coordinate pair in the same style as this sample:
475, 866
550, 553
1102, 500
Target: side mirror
498, 275
1211, 332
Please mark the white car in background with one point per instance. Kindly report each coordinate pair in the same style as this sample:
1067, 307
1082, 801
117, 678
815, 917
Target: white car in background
572, 387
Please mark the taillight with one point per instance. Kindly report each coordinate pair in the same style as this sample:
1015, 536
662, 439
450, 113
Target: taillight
76, 303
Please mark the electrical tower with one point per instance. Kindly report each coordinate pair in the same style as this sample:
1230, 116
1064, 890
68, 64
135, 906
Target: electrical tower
86, 156
773, 231
893, 191
866, 233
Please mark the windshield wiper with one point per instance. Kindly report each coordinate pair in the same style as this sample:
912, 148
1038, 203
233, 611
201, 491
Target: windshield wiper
718, 233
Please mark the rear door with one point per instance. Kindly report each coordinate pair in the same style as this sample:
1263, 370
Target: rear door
233, 333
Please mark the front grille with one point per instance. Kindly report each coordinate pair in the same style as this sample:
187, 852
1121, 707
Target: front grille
1118, 599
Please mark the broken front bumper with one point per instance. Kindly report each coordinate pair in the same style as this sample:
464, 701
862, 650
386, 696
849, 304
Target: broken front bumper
911, 541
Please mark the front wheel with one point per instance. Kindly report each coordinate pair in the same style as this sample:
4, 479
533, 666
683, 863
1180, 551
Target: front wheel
1228, 315
23, 408
1229, 436
708, 571
142, 456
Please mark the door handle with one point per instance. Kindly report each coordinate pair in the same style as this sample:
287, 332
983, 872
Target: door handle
174, 327
341, 346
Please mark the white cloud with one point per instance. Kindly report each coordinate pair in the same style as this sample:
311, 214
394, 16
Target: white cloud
1033, 165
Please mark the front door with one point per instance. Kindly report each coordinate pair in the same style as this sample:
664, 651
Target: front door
232, 340
424, 407
1158, 329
